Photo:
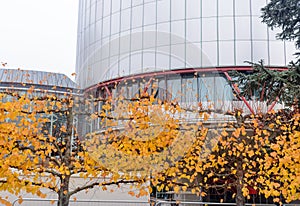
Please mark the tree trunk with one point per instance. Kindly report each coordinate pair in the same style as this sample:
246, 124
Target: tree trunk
63, 200
240, 199
63, 195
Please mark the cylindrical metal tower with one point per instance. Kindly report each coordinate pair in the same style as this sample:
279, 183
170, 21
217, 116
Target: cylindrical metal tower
119, 38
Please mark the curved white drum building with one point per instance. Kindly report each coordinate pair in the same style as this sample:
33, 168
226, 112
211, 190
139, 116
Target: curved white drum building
119, 38
179, 49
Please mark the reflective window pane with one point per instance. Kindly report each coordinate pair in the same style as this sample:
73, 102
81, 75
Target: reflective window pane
93, 14
209, 55
193, 9
107, 8
136, 41
149, 14
209, 8
125, 44
193, 30
149, 61
137, 13
242, 25
193, 55
136, 63
223, 93
290, 50
174, 88
163, 34
113, 66
177, 31
149, 38
178, 9
116, 5
124, 65
259, 29
106, 26
125, 20
150, 28
206, 87
163, 10
92, 33
226, 53
260, 51
209, 30
226, 28
225, 7
115, 23
178, 56
125, 4
243, 52
277, 53
189, 89
256, 6
98, 30
99, 6
242, 8
162, 58
136, 2
114, 47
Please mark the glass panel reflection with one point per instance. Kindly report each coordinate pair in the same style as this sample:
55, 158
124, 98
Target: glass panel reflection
277, 53
150, 13
226, 28
242, 8
209, 8
178, 9
243, 52
137, 13
163, 10
225, 8
209, 29
190, 89
193, 9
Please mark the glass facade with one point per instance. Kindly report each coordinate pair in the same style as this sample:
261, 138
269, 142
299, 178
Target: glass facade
211, 89
127, 37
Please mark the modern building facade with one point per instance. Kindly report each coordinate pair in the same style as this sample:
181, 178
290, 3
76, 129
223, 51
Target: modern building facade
128, 37
39, 83
17, 79
184, 47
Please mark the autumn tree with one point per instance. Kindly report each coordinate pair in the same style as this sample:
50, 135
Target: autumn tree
32, 158
145, 140
279, 129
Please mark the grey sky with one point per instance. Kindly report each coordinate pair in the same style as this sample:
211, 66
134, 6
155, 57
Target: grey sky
39, 34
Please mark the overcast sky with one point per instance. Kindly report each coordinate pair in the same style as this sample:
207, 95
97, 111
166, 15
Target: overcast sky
39, 34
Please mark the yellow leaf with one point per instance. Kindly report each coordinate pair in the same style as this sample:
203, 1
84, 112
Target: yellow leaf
131, 193
176, 189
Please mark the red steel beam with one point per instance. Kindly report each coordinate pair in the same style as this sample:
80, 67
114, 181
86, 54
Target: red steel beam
237, 90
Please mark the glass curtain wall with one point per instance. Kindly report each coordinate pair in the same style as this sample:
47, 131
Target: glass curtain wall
126, 37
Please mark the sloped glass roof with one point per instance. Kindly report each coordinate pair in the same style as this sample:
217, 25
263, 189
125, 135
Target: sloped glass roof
32, 77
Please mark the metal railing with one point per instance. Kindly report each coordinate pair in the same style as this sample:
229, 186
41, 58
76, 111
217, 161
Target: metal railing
179, 203
79, 202
291, 204
83, 202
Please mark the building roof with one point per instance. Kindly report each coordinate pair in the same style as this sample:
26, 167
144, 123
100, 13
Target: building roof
41, 78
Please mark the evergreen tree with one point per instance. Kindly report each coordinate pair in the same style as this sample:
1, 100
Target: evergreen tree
284, 14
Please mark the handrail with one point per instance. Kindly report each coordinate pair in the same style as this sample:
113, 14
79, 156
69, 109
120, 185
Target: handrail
81, 201
205, 203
